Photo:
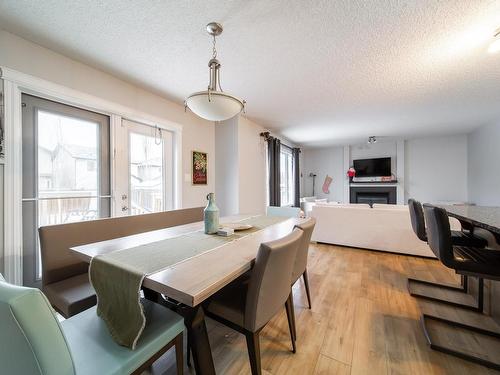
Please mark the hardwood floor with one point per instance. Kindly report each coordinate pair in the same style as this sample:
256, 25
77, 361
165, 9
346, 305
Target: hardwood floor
363, 321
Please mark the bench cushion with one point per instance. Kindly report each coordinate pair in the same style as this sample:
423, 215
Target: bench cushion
71, 296
95, 352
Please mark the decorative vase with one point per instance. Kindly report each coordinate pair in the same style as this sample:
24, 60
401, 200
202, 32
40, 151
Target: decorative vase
211, 215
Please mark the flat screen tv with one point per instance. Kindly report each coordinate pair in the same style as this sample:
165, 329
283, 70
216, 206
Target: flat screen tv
377, 167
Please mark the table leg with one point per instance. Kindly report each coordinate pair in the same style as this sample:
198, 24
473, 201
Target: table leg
194, 320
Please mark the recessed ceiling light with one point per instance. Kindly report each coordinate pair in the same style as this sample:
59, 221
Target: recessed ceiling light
495, 45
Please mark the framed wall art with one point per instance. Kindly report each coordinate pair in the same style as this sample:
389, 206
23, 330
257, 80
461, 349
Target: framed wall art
199, 168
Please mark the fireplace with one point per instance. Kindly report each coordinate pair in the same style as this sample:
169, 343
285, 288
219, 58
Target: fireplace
371, 195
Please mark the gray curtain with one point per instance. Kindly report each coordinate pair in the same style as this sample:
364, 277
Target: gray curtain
273, 155
296, 176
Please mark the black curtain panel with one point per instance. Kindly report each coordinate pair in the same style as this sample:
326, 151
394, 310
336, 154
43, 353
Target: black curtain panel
296, 176
273, 155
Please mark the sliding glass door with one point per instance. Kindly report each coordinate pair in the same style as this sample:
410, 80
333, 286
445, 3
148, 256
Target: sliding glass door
66, 175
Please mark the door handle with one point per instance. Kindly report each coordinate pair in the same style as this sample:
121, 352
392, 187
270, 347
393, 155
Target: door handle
124, 208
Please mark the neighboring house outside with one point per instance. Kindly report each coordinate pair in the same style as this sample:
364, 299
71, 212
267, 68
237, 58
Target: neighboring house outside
67, 171
146, 185
67, 168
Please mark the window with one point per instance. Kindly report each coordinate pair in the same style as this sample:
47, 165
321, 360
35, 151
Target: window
286, 176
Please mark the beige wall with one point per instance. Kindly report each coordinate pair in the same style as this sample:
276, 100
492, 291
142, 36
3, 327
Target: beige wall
241, 167
252, 166
26, 57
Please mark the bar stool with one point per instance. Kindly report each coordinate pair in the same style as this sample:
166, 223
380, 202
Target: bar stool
458, 238
465, 260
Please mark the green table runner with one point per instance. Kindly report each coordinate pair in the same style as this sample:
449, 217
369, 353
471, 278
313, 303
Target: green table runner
117, 277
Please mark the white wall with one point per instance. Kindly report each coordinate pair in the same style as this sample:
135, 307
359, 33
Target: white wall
375, 150
322, 162
436, 169
227, 172
430, 169
484, 165
252, 167
26, 57
241, 167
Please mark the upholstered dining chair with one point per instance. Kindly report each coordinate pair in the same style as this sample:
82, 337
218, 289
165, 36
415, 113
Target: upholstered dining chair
248, 305
283, 211
300, 269
33, 341
458, 238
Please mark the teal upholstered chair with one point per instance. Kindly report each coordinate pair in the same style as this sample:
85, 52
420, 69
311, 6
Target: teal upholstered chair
32, 341
283, 211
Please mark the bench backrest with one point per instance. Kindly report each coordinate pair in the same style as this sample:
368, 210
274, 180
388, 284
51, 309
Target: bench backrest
58, 263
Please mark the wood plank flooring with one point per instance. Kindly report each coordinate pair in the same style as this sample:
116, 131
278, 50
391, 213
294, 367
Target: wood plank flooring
363, 321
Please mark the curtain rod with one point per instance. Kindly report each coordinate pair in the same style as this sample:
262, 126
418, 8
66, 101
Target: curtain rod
267, 136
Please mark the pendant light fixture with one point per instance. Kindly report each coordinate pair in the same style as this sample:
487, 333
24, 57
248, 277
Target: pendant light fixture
214, 104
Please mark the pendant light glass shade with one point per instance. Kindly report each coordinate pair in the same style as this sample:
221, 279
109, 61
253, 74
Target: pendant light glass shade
214, 104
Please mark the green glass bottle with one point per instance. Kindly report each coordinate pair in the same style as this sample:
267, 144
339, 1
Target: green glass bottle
211, 215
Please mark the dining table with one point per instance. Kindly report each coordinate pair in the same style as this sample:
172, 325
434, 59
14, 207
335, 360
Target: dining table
484, 217
184, 286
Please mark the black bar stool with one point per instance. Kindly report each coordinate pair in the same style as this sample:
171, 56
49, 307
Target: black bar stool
458, 238
465, 260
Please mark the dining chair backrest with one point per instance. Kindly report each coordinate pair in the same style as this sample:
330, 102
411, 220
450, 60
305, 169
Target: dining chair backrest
303, 250
439, 234
269, 285
417, 219
283, 211
31, 339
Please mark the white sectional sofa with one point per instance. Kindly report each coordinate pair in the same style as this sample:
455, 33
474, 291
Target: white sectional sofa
383, 227
307, 203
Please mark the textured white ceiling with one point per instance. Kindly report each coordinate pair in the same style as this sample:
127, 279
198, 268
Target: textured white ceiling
319, 72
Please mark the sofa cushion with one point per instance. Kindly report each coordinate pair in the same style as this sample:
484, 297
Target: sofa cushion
307, 199
95, 352
390, 206
71, 296
345, 205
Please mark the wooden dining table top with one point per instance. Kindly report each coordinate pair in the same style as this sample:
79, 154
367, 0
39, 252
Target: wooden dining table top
193, 280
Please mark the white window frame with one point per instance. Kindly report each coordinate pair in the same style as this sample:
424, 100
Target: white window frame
16, 84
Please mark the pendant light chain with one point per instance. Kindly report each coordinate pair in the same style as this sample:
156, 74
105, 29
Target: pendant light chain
214, 50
